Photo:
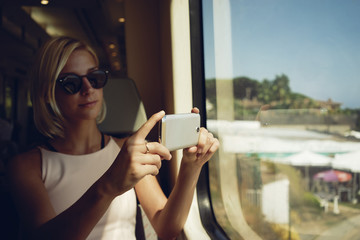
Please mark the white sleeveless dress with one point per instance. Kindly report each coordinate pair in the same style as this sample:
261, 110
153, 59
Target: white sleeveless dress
68, 177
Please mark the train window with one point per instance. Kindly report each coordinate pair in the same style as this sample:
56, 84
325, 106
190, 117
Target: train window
281, 94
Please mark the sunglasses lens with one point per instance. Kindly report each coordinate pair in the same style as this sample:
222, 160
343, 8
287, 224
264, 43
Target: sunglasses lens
97, 78
71, 84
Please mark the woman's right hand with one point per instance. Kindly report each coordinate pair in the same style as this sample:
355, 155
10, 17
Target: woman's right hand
136, 159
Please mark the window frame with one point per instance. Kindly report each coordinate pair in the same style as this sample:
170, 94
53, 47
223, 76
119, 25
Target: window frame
207, 215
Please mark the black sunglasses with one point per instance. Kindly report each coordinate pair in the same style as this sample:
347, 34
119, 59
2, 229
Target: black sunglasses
72, 83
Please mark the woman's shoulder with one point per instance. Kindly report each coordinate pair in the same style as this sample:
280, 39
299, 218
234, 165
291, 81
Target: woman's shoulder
27, 162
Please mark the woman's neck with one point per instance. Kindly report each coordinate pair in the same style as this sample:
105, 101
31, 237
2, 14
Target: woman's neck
79, 140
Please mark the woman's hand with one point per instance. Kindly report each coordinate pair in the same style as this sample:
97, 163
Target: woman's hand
204, 150
136, 159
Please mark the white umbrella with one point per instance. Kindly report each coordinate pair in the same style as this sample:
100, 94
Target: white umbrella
307, 158
347, 161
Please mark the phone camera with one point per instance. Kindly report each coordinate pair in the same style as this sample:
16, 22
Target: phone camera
198, 129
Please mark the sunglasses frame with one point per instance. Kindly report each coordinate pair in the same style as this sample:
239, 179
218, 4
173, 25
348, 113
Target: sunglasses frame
61, 81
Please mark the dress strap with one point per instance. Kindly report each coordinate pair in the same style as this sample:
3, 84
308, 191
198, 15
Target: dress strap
102, 140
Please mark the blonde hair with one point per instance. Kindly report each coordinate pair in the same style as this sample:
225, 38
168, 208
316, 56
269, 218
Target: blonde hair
51, 59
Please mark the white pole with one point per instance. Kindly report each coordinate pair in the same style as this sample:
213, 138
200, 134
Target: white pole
336, 205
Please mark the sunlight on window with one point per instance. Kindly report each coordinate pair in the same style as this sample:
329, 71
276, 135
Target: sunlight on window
281, 96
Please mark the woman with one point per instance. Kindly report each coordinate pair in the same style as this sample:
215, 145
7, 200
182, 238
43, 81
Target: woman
81, 184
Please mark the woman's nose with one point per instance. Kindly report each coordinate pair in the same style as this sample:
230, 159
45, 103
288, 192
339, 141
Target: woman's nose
86, 85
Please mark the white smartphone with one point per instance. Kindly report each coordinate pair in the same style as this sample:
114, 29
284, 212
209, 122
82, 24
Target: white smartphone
177, 131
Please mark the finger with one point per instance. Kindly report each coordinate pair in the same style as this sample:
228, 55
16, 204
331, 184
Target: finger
202, 140
149, 170
192, 149
147, 126
157, 148
214, 146
150, 159
213, 142
207, 145
195, 110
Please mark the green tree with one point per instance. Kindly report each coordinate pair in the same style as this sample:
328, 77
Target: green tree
280, 87
245, 87
264, 91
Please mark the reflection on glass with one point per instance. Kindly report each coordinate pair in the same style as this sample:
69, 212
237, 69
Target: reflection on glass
282, 97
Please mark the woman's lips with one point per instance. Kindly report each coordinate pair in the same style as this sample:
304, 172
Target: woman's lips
88, 104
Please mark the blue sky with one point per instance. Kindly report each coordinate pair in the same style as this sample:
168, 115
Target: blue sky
316, 43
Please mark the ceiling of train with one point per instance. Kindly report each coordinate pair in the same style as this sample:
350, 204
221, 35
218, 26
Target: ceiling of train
25, 24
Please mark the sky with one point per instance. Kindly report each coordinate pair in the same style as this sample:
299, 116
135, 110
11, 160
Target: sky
316, 43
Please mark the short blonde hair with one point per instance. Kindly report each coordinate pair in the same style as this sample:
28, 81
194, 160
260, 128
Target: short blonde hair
51, 59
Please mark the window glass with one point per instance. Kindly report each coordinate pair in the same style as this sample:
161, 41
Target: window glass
282, 97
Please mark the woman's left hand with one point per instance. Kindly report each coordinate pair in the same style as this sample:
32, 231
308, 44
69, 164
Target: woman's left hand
203, 151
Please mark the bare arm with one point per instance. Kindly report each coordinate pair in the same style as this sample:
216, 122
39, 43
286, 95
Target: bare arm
169, 216
36, 211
